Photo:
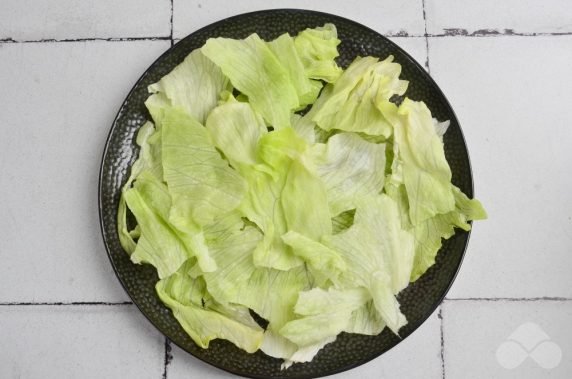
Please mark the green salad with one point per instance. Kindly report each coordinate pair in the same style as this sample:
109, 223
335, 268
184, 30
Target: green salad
273, 184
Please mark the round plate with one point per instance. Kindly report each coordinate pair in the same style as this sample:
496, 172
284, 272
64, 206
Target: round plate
418, 301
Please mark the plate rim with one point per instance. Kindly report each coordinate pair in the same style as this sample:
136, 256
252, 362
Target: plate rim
113, 127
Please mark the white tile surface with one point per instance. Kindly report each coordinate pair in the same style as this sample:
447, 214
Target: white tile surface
71, 19
58, 101
423, 347
387, 17
482, 341
78, 342
414, 46
520, 16
512, 96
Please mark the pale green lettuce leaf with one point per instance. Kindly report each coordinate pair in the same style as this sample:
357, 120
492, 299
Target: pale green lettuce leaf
305, 203
186, 296
202, 184
284, 49
365, 320
426, 173
274, 201
351, 168
239, 281
235, 129
195, 75
379, 254
323, 314
156, 105
317, 49
256, 72
420, 183
303, 127
149, 141
324, 263
200, 181
429, 234
306, 353
441, 127
270, 293
354, 102
159, 244
262, 206
472, 209
279, 148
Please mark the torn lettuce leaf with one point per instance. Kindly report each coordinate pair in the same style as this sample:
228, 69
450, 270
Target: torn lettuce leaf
365, 320
202, 184
351, 168
235, 129
256, 72
354, 102
200, 181
429, 234
178, 89
379, 255
323, 263
149, 141
318, 49
426, 173
307, 89
159, 244
203, 318
324, 314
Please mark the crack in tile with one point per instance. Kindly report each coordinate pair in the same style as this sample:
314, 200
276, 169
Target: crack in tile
543, 298
460, 32
172, 12
11, 40
168, 357
426, 38
58, 303
452, 32
440, 316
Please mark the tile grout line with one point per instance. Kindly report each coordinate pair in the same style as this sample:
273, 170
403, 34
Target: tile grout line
440, 316
108, 303
113, 39
426, 38
66, 303
460, 32
448, 33
172, 12
544, 298
168, 357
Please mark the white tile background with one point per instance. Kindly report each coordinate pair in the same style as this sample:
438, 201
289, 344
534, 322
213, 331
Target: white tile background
65, 67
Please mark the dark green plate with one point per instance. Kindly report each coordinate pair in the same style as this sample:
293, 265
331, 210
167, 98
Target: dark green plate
418, 301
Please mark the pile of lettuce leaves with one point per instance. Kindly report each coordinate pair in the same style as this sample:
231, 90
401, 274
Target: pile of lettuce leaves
272, 182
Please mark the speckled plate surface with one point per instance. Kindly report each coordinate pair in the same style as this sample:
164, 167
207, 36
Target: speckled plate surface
418, 301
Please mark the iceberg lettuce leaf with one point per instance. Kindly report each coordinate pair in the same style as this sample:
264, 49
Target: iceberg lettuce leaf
256, 72
203, 318
179, 88
354, 102
351, 168
318, 49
